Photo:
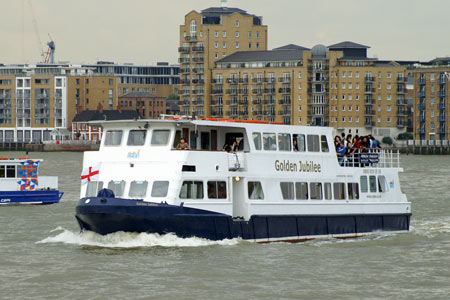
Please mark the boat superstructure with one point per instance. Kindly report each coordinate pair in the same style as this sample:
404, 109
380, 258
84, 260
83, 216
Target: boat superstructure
20, 182
267, 190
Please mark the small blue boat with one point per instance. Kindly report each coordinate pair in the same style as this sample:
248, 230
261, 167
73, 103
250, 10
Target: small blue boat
21, 184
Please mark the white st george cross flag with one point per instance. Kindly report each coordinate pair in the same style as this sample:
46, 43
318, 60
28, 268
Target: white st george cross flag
90, 174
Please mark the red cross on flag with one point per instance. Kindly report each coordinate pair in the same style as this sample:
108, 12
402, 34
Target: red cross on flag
90, 174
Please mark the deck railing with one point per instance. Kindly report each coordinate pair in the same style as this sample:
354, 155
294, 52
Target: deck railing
371, 158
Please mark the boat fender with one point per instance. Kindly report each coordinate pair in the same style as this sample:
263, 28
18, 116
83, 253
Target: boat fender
107, 193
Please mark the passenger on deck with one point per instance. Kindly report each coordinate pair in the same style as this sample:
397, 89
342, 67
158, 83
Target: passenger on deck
226, 147
340, 151
234, 147
183, 145
294, 145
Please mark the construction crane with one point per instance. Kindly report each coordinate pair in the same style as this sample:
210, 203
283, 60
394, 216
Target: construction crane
49, 56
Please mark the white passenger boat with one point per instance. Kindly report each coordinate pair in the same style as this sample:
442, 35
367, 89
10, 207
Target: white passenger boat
21, 184
265, 191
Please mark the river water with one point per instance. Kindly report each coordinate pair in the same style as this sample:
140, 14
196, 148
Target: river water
43, 255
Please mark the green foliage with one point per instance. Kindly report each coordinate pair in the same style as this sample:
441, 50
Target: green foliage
405, 136
173, 97
387, 140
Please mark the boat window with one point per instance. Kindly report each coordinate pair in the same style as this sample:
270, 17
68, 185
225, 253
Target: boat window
177, 138
382, 184
193, 140
257, 140
324, 143
113, 137
138, 188
287, 190
284, 142
353, 191
93, 187
191, 190
2, 171
339, 191
205, 141
315, 190
373, 184
117, 187
160, 188
235, 136
313, 143
217, 190
363, 182
136, 137
301, 191
10, 171
300, 138
269, 141
160, 137
255, 190
327, 190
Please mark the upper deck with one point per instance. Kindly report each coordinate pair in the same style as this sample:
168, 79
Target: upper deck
145, 139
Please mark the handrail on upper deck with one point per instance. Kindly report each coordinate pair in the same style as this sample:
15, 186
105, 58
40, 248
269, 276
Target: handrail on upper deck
372, 158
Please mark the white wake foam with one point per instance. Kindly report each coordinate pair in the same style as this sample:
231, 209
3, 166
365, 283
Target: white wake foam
129, 240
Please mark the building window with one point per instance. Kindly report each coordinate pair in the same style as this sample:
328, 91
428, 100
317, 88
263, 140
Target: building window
249, 45
216, 55
389, 119
388, 86
236, 34
193, 28
216, 45
216, 34
389, 75
257, 45
237, 45
224, 45
237, 23
388, 108
249, 35
257, 34
224, 34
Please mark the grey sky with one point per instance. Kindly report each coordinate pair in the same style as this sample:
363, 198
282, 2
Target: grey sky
146, 31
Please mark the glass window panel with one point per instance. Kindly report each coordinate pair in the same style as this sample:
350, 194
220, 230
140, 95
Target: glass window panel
177, 138
373, 184
2, 171
255, 190
257, 140
324, 143
138, 188
300, 142
287, 190
363, 182
284, 142
339, 190
93, 187
113, 137
212, 189
327, 190
315, 190
160, 188
269, 141
10, 171
136, 137
160, 137
191, 190
353, 191
117, 187
382, 185
301, 191
221, 190
313, 143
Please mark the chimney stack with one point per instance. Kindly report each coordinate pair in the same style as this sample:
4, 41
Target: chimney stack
100, 107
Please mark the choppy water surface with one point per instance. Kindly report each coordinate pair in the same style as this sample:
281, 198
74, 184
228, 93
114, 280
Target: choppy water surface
43, 255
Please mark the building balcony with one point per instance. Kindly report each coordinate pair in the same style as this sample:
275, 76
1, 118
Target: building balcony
231, 103
284, 90
400, 78
190, 38
369, 102
257, 102
243, 102
401, 123
402, 113
243, 113
422, 81
284, 101
185, 70
243, 80
269, 113
259, 80
269, 91
217, 114
402, 102
183, 60
441, 130
185, 103
257, 113
369, 124
421, 119
197, 71
284, 112
441, 118
198, 103
441, 93
284, 79
232, 92
369, 79
216, 103
198, 81
421, 130
421, 94
217, 92
369, 112
441, 106
257, 92
57, 105
401, 91
183, 49
198, 49
442, 80
198, 59
197, 92
269, 102
422, 106
243, 92
369, 91
216, 81
185, 93
232, 80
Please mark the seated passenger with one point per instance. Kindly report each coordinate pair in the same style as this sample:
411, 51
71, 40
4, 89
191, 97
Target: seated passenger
226, 147
183, 145
234, 147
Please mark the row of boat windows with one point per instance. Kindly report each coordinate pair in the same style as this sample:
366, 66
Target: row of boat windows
299, 142
194, 189
263, 141
8, 171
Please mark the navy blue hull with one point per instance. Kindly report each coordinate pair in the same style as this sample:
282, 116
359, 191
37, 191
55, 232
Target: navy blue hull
108, 215
30, 197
